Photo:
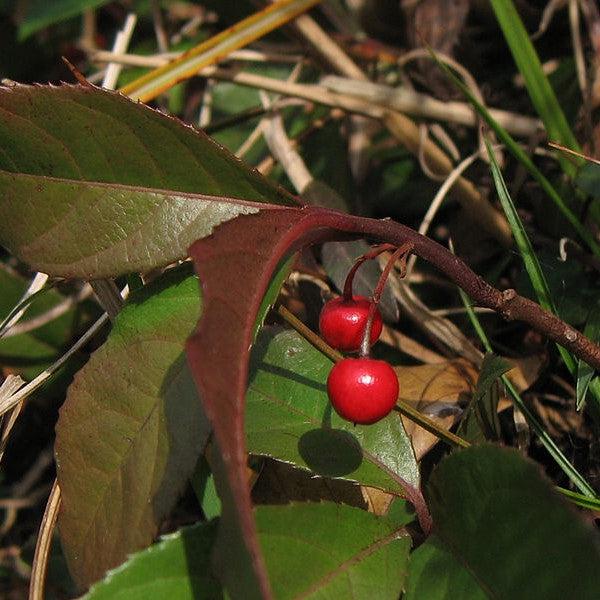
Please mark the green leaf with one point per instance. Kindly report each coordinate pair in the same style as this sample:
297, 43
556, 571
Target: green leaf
289, 418
539, 88
203, 484
93, 185
480, 421
435, 574
177, 567
332, 551
501, 519
131, 430
41, 13
345, 553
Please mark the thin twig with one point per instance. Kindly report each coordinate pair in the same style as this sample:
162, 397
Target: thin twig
108, 296
37, 283
162, 40
50, 315
43, 545
34, 384
122, 39
159, 60
437, 201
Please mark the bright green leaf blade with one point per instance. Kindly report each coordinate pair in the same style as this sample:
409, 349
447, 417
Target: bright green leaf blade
130, 431
41, 13
289, 418
177, 567
94, 185
435, 574
532, 265
540, 91
320, 551
501, 519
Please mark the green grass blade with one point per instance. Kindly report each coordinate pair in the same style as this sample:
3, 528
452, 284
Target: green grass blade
540, 91
532, 265
523, 158
579, 499
561, 460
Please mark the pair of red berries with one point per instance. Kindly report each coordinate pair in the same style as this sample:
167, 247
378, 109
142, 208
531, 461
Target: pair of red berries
361, 390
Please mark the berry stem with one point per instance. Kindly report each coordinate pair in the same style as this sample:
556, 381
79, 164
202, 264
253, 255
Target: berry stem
373, 253
400, 253
402, 407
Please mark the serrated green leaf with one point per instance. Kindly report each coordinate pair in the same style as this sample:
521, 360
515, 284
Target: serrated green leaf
94, 185
332, 551
501, 519
289, 418
130, 431
177, 567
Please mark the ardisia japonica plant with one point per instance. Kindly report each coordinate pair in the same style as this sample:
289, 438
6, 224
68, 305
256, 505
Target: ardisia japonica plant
96, 187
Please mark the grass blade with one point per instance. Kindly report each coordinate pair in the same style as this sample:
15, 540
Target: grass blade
561, 460
536, 275
523, 158
540, 91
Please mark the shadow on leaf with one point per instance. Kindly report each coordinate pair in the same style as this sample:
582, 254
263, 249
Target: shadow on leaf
330, 452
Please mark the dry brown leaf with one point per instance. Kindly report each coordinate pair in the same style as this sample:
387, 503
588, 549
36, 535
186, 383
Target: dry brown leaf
439, 391
525, 371
378, 501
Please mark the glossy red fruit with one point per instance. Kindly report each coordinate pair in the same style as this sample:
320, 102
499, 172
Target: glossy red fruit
342, 323
362, 390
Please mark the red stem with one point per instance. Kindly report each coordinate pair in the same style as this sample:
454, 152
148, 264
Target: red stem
365, 345
374, 253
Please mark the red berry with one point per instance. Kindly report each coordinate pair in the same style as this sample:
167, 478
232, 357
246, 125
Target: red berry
342, 323
362, 390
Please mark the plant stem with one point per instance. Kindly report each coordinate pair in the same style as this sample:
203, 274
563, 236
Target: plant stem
507, 303
374, 253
